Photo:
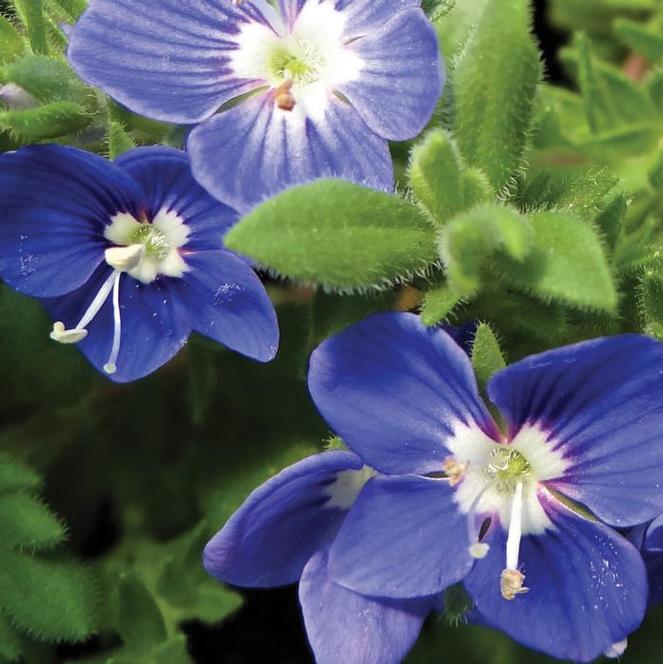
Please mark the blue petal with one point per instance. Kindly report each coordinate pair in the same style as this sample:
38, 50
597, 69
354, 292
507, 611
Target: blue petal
154, 327
587, 588
369, 16
400, 80
269, 540
54, 204
601, 403
254, 150
651, 545
165, 59
394, 391
343, 626
164, 175
404, 537
226, 301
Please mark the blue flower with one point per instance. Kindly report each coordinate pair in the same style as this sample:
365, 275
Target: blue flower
649, 539
316, 86
282, 534
523, 519
127, 257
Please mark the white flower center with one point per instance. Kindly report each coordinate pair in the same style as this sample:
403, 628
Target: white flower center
144, 250
302, 63
503, 480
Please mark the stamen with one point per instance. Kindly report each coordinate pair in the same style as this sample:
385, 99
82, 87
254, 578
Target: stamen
454, 470
111, 366
75, 335
283, 96
512, 579
477, 548
616, 649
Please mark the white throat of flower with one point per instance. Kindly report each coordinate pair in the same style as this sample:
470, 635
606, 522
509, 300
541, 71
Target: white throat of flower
144, 250
503, 480
302, 63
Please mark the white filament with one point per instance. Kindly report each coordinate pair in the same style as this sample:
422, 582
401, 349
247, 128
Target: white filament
515, 529
111, 366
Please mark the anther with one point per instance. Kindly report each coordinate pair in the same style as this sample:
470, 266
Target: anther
283, 96
125, 258
512, 583
479, 550
64, 336
454, 470
616, 649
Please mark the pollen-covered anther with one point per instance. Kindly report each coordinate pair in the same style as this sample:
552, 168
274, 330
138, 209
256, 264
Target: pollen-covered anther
64, 336
454, 470
283, 96
479, 550
512, 584
125, 259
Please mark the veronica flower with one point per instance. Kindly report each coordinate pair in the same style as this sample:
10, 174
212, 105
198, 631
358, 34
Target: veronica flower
281, 535
310, 88
524, 518
127, 257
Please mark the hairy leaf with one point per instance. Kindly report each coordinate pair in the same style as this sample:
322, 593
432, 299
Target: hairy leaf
337, 234
31, 13
487, 358
495, 83
438, 303
26, 523
49, 121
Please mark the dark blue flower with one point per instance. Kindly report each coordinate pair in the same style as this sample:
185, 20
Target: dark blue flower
282, 534
127, 257
520, 518
317, 87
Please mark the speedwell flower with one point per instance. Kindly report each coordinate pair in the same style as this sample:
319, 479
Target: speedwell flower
520, 517
311, 88
127, 257
282, 534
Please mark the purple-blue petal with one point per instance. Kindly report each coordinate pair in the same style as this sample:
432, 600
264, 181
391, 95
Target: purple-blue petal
165, 59
403, 538
154, 327
225, 300
587, 588
164, 175
394, 390
54, 204
601, 403
343, 626
254, 150
401, 77
365, 17
269, 540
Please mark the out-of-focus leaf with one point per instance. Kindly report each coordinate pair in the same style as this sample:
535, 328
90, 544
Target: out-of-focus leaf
438, 303
11, 42
640, 38
14, 476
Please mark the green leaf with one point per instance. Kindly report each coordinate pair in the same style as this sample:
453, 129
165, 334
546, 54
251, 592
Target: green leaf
567, 263
47, 79
32, 14
640, 38
173, 651
438, 179
651, 301
119, 140
26, 523
71, 9
139, 619
471, 237
11, 42
495, 83
656, 171
50, 600
337, 234
487, 358
10, 645
654, 89
14, 476
438, 304
50, 121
